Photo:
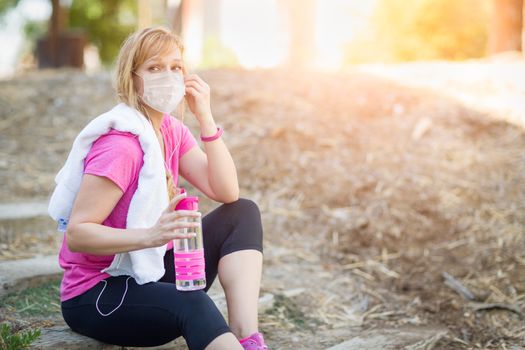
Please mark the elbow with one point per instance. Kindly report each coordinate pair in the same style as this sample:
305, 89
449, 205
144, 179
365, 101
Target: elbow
229, 197
230, 200
70, 240
232, 197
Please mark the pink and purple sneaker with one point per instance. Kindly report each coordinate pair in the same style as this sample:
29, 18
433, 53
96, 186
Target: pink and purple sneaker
254, 342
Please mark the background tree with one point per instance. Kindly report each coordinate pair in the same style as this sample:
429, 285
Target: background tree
506, 26
301, 26
107, 22
6, 5
406, 30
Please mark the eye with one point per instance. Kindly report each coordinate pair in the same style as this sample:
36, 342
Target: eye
153, 69
176, 67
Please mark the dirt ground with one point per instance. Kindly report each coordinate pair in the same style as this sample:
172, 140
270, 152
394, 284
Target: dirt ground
371, 193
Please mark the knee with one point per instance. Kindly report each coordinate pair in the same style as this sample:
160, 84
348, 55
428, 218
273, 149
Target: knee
198, 299
245, 215
245, 208
246, 230
194, 302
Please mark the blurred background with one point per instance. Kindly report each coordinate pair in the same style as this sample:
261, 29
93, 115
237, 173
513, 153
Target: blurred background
324, 35
383, 140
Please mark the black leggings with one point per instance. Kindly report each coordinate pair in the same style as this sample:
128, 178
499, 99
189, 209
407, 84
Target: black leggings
155, 313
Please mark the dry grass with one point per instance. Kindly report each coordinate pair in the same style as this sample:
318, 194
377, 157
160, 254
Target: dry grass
377, 188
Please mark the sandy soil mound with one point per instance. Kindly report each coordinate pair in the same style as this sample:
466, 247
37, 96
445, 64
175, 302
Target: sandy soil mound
381, 201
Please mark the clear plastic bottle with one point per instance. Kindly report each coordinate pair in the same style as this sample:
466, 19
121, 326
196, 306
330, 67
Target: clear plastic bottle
189, 252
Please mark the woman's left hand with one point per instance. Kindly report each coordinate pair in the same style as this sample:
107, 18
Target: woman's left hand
198, 97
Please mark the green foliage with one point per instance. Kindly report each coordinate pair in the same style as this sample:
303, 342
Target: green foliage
215, 55
285, 308
107, 22
11, 340
6, 5
406, 30
35, 29
41, 300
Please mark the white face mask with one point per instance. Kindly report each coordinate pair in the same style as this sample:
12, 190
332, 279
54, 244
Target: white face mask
163, 91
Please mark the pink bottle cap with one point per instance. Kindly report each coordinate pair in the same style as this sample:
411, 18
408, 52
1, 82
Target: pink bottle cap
188, 203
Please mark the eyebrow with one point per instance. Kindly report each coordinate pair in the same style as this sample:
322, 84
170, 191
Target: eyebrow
157, 60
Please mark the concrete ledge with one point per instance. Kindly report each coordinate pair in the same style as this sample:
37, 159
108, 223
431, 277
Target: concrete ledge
407, 338
62, 337
23, 210
18, 274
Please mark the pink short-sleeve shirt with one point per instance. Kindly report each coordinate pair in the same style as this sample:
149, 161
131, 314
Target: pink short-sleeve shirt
118, 156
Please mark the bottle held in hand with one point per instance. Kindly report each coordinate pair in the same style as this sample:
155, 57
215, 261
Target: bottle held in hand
189, 252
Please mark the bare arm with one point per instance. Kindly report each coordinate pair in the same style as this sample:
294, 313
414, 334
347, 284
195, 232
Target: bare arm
212, 172
96, 199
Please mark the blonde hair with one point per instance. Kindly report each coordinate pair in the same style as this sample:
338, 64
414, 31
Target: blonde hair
137, 49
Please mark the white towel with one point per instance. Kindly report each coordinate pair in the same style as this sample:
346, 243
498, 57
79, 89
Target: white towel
148, 202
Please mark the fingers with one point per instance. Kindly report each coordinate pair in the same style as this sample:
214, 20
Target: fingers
173, 229
192, 91
173, 203
194, 85
197, 86
170, 235
174, 215
184, 235
194, 78
174, 225
205, 90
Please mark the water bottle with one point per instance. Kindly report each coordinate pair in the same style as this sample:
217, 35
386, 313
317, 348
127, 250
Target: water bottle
189, 252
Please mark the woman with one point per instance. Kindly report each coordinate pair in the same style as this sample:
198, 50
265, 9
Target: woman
117, 310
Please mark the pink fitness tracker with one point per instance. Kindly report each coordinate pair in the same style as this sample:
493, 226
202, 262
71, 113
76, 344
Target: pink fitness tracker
213, 137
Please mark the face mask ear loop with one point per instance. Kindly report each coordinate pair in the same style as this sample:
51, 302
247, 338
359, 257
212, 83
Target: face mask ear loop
175, 149
102, 291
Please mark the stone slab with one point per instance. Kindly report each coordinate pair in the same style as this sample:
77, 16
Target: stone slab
23, 210
23, 273
407, 338
18, 274
62, 337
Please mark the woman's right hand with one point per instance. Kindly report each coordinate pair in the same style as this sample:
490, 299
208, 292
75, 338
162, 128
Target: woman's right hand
169, 223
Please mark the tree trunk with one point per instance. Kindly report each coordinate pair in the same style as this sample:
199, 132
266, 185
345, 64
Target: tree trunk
212, 18
144, 14
55, 28
506, 24
301, 21
181, 17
